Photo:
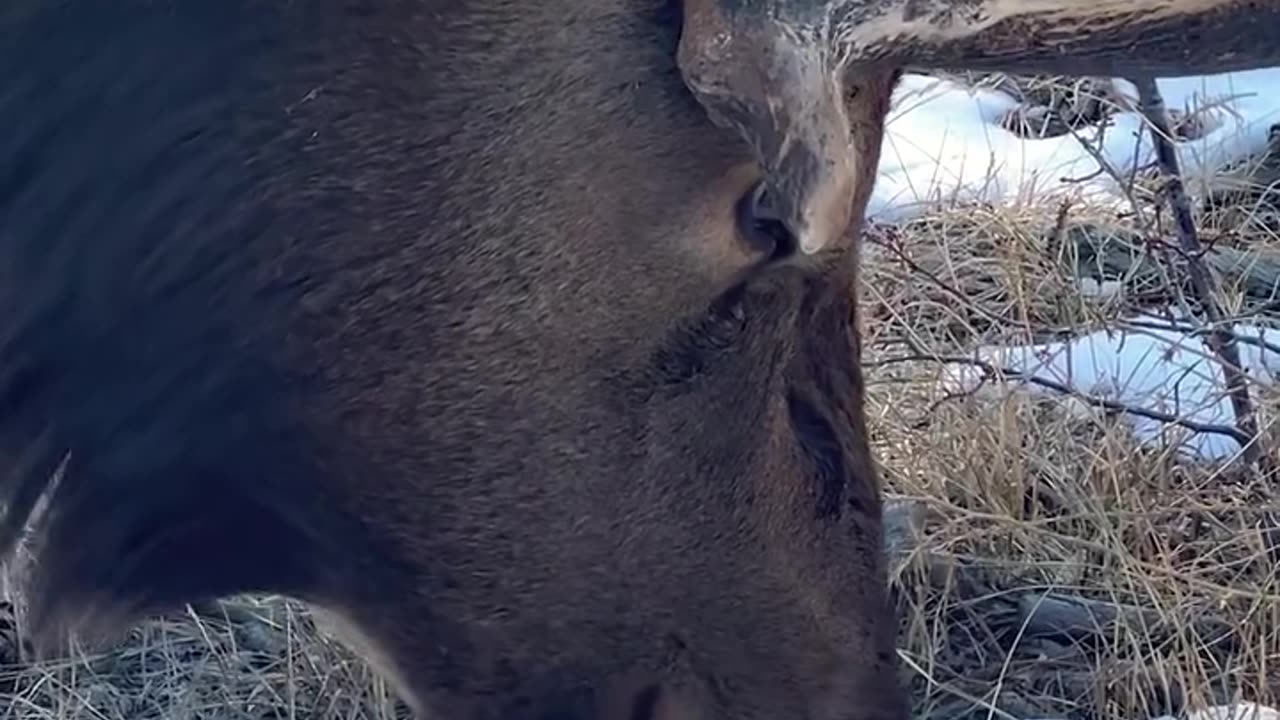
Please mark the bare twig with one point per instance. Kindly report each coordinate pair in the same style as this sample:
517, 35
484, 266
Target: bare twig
1126, 183
1198, 331
894, 245
991, 370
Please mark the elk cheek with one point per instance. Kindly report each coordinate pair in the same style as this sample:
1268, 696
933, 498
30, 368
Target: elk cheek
820, 447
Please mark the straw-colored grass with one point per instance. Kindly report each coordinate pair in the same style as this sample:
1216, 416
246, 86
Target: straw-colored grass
1037, 511
1032, 509
1032, 501
237, 659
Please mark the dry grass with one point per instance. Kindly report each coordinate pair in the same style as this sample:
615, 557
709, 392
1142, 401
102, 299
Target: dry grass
1032, 507
1039, 513
243, 658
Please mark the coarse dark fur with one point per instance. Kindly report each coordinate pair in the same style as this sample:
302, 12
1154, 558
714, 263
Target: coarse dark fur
433, 314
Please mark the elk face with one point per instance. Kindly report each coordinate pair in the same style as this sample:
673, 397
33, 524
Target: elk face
806, 83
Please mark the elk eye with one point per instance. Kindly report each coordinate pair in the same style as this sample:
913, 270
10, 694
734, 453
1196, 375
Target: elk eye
761, 227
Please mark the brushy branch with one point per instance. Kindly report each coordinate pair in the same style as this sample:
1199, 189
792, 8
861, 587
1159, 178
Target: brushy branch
1221, 338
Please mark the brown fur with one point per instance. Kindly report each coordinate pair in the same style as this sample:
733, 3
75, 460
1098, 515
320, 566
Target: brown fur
434, 314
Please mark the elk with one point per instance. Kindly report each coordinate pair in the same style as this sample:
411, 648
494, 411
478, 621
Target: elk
517, 338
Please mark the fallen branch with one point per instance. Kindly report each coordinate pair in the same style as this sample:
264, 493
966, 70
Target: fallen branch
1077, 617
1117, 252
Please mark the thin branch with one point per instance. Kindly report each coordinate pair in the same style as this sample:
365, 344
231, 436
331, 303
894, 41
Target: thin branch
1126, 185
1105, 167
993, 371
1197, 331
1221, 338
894, 245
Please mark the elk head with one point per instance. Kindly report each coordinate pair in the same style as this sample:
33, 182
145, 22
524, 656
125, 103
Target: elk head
437, 315
793, 76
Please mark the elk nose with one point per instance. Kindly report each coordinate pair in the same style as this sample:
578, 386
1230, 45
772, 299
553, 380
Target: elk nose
762, 226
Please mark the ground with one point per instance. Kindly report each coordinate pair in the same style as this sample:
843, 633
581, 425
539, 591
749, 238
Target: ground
1045, 564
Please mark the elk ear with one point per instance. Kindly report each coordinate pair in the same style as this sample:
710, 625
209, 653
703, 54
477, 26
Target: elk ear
774, 80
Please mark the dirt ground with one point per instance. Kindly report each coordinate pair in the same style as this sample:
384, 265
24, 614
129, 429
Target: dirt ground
1044, 564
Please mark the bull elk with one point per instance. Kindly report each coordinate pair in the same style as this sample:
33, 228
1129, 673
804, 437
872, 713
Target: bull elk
515, 337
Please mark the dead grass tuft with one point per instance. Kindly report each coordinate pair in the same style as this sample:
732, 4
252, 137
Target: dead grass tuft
245, 657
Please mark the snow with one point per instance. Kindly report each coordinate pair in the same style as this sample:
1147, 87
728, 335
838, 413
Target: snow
944, 143
1234, 711
1237, 711
1167, 370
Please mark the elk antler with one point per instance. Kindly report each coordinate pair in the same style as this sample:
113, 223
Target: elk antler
778, 71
